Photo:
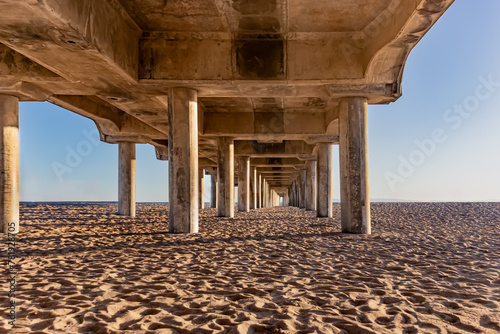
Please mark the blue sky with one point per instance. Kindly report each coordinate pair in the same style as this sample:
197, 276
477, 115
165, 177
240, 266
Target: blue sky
439, 142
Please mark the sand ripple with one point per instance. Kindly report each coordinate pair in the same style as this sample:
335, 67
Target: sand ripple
427, 268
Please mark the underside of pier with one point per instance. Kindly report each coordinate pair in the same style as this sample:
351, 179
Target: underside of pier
253, 93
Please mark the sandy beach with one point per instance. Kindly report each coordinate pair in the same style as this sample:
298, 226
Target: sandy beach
427, 268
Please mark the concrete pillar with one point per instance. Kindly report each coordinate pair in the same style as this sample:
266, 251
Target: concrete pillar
201, 188
264, 194
296, 193
253, 188
354, 188
325, 180
302, 182
261, 191
126, 179
9, 164
244, 184
183, 160
225, 171
213, 191
311, 185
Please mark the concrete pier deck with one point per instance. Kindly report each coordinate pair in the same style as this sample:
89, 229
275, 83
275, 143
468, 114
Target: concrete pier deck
211, 82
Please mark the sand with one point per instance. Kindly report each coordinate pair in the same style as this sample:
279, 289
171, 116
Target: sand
427, 268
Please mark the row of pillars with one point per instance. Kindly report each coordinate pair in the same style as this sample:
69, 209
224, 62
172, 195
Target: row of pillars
312, 191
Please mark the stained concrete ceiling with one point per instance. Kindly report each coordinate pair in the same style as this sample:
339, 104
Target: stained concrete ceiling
265, 70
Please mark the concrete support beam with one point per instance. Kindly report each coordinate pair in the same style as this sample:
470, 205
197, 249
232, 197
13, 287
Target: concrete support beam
255, 125
213, 191
325, 180
253, 188
354, 194
126, 179
9, 164
225, 172
201, 188
285, 149
183, 160
244, 184
311, 184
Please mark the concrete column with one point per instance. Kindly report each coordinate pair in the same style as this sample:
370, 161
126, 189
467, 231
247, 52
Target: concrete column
253, 188
9, 164
261, 191
244, 184
126, 179
225, 171
302, 181
213, 191
311, 185
183, 160
297, 193
354, 188
264, 194
201, 188
325, 180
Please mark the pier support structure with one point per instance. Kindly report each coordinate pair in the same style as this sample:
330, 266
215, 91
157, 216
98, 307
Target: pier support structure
244, 184
213, 191
225, 172
354, 190
183, 160
9, 164
253, 188
325, 180
260, 184
303, 192
311, 184
201, 188
126, 179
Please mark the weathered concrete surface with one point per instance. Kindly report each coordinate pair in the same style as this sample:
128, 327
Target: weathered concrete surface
225, 172
271, 75
244, 184
354, 190
213, 191
274, 73
303, 192
183, 160
201, 188
9, 164
311, 185
253, 188
325, 180
260, 190
126, 179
